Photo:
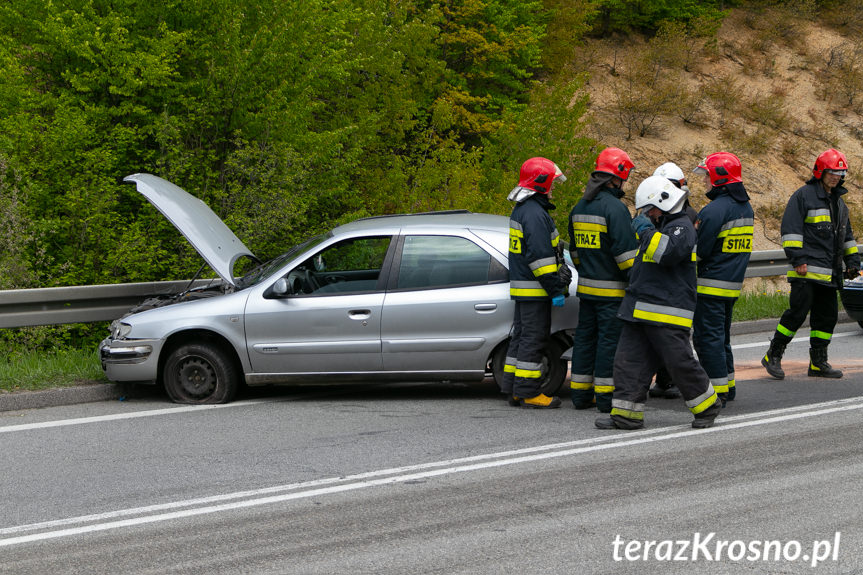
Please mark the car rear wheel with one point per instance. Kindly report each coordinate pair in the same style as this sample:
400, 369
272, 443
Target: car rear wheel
200, 373
553, 367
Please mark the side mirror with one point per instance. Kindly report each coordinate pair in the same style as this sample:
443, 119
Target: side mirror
278, 290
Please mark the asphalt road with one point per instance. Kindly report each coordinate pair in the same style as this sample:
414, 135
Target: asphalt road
441, 479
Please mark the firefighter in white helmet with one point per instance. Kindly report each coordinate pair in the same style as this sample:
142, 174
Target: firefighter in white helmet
657, 311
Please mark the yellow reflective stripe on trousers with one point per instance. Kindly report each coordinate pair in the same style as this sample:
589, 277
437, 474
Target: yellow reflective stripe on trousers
785, 331
603, 385
703, 401
528, 370
720, 384
821, 334
638, 415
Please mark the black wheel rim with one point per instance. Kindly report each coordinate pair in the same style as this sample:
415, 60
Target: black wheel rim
196, 378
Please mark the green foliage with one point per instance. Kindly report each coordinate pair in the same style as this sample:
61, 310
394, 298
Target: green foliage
32, 370
640, 15
550, 127
285, 116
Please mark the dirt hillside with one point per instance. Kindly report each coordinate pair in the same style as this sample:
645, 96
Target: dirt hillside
775, 97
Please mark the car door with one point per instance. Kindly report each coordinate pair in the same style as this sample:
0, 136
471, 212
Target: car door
446, 307
329, 319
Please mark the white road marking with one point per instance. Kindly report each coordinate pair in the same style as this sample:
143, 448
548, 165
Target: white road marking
121, 416
220, 503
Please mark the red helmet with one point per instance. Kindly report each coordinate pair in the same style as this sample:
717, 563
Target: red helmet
830, 160
722, 167
614, 161
538, 174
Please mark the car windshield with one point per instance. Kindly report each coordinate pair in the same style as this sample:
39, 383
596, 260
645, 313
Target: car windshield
267, 268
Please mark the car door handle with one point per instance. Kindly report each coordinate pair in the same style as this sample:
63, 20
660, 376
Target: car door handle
485, 307
360, 314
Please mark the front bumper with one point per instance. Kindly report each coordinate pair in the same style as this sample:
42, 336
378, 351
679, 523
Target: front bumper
130, 359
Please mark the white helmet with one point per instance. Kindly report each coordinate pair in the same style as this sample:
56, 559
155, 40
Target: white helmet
671, 171
659, 192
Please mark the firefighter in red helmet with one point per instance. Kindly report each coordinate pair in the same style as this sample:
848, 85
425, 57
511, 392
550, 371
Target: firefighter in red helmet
817, 238
603, 247
725, 232
539, 279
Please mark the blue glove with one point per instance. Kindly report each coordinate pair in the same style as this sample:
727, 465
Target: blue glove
641, 223
557, 301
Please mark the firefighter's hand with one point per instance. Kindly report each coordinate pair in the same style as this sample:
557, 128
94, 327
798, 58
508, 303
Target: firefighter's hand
801, 269
558, 300
565, 274
640, 223
852, 273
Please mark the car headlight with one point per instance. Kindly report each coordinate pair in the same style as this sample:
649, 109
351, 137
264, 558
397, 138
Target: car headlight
120, 330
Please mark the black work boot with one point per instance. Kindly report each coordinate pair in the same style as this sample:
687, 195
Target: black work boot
706, 418
772, 362
603, 402
618, 422
818, 366
670, 392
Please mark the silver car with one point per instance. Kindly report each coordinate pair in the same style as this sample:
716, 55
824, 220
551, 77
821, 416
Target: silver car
421, 297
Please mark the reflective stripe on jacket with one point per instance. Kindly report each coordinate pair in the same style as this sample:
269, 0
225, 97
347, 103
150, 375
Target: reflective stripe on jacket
662, 282
816, 231
533, 240
725, 233
602, 245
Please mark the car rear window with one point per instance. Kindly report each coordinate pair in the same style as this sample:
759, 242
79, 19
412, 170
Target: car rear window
445, 261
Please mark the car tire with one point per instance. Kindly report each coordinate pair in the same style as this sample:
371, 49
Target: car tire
200, 373
860, 323
554, 368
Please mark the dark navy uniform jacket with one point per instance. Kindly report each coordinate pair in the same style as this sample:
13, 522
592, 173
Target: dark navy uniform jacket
816, 231
662, 281
533, 260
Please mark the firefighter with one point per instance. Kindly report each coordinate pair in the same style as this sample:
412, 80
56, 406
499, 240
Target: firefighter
818, 241
657, 311
603, 246
539, 279
725, 227
664, 387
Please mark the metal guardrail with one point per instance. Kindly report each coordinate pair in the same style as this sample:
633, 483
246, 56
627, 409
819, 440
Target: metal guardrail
85, 304
767, 263
79, 304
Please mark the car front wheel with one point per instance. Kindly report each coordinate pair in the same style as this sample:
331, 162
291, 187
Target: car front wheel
200, 373
553, 368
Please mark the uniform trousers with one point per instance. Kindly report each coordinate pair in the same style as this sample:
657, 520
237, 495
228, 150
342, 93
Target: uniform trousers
816, 300
644, 347
531, 330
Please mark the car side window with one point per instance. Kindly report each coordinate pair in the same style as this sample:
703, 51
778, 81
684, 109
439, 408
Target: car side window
349, 266
446, 261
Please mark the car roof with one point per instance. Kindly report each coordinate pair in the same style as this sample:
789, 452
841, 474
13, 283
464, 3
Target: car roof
453, 219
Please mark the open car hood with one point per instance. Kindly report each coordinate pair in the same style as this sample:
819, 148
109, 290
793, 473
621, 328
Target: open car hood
207, 233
